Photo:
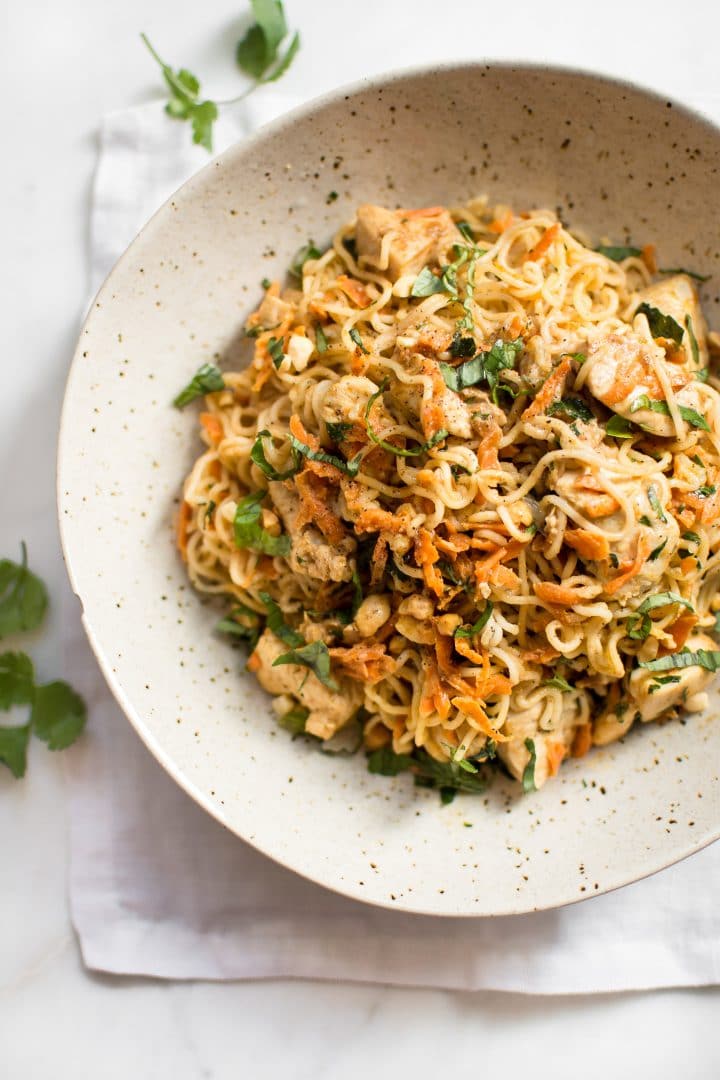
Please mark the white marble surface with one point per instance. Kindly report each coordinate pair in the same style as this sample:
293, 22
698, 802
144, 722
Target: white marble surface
66, 63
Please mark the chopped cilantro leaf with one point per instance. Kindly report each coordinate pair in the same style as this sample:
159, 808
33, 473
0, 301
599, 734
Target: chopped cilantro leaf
661, 325
618, 252
314, 656
250, 534
478, 626
301, 256
206, 380
257, 454
23, 597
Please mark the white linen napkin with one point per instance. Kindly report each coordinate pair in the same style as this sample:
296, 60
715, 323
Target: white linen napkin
159, 888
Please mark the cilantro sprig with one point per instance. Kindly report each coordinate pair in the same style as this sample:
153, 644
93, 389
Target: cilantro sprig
57, 713
264, 54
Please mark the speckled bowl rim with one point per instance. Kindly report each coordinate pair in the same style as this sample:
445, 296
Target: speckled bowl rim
274, 127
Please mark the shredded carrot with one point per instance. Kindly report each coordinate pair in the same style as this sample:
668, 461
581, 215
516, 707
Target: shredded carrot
473, 709
212, 427
487, 451
630, 570
544, 655
183, 521
443, 652
543, 243
314, 496
376, 519
369, 663
680, 629
353, 289
633, 370
559, 595
485, 567
550, 390
499, 225
504, 577
432, 418
427, 555
582, 741
254, 662
599, 506
589, 545
648, 257
555, 751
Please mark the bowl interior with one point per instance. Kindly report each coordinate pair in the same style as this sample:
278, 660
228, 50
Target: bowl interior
614, 160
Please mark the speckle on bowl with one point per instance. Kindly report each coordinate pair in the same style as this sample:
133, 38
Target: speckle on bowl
610, 158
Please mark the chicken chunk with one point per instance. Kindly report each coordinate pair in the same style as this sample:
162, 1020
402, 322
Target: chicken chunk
346, 402
651, 697
407, 399
550, 746
329, 710
311, 554
272, 312
677, 296
417, 238
621, 372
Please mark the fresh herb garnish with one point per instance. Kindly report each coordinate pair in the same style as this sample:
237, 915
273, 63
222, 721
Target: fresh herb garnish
478, 626
462, 347
338, 430
572, 407
209, 511
691, 416
662, 600
693, 341
465, 228
528, 776
705, 491
398, 451
314, 656
655, 503
350, 467
427, 283
206, 380
638, 627
258, 55
620, 428
294, 720
58, 715
661, 325
355, 335
257, 454
485, 367
321, 343
657, 551
692, 537
680, 270
275, 348
559, 683
23, 597
617, 253
704, 658
247, 631
447, 776
301, 256
17, 680
250, 534
276, 623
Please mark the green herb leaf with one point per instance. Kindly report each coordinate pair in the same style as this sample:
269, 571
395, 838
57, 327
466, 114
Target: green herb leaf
427, 284
572, 407
704, 658
462, 347
17, 680
638, 627
294, 720
257, 454
338, 431
528, 776
478, 626
301, 256
13, 748
693, 342
398, 451
314, 656
385, 762
655, 503
662, 600
321, 343
355, 335
257, 51
276, 623
620, 428
184, 101
247, 631
466, 229
206, 380
275, 347
661, 325
483, 367
349, 467
657, 551
705, 491
559, 683
250, 534
691, 416
23, 597
285, 60
58, 715
680, 270
692, 537
617, 253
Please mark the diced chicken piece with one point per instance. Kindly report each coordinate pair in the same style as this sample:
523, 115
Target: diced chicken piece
621, 372
652, 698
658, 538
613, 724
329, 709
677, 296
346, 402
298, 353
418, 238
407, 399
272, 312
311, 554
550, 746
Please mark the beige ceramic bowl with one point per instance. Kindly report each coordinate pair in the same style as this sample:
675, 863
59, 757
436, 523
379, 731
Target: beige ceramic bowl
609, 157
